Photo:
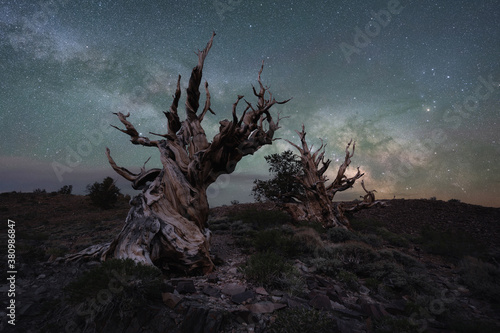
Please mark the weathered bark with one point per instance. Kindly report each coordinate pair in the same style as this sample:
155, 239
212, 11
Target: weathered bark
167, 224
317, 205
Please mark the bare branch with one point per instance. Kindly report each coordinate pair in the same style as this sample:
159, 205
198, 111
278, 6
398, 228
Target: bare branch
139, 180
136, 139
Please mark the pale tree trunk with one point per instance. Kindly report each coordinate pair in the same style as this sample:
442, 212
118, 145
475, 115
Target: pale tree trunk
167, 224
317, 205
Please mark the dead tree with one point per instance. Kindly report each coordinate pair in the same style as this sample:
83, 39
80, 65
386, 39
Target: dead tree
167, 223
317, 205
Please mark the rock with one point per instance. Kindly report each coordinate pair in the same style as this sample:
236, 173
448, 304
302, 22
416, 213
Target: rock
373, 310
265, 307
243, 297
261, 291
321, 302
332, 295
296, 303
233, 271
364, 290
211, 291
213, 321
311, 283
396, 307
186, 287
194, 321
171, 300
212, 278
339, 291
41, 276
243, 315
233, 289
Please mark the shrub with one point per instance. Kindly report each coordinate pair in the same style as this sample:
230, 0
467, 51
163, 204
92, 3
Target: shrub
277, 241
302, 321
267, 268
392, 238
39, 191
105, 194
340, 235
66, 189
350, 279
483, 279
119, 277
262, 219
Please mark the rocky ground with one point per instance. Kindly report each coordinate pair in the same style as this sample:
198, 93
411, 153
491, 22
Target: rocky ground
324, 290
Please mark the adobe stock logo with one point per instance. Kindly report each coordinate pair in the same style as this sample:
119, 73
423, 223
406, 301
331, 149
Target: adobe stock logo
85, 147
363, 38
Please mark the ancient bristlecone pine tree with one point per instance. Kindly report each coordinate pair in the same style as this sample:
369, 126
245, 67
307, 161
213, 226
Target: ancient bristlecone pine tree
316, 204
167, 223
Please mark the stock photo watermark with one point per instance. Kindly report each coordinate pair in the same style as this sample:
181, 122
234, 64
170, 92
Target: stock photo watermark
224, 6
11, 272
362, 38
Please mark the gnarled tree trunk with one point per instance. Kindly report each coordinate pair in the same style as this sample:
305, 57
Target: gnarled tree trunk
167, 224
317, 204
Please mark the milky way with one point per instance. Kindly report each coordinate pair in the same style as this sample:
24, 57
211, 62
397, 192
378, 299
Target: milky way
415, 83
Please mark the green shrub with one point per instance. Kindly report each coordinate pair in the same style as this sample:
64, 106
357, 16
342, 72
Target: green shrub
277, 241
352, 254
483, 279
104, 194
350, 279
340, 235
302, 321
372, 240
267, 269
66, 189
392, 238
119, 277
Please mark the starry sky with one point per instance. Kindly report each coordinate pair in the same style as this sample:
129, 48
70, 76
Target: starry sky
415, 83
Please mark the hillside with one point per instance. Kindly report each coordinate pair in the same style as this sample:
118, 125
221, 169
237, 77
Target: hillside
414, 266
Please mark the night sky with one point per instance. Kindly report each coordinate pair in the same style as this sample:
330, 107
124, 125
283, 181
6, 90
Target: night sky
415, 83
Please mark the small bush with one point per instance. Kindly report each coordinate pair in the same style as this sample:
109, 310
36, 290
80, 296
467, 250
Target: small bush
263, 219
267, 269
392, 238
350, 279
39, 191
340, 235
302, 321
66, 189
119, 277
105, 194
483, 279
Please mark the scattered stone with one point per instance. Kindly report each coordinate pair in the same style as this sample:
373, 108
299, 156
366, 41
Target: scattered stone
194, 321
321, 302
213, 278
171, 300
211, 291
265, 307
364, 290
396, 307
186, 287
242, 297
233, 289
261, 291
41, 276
332, 295
373, 310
